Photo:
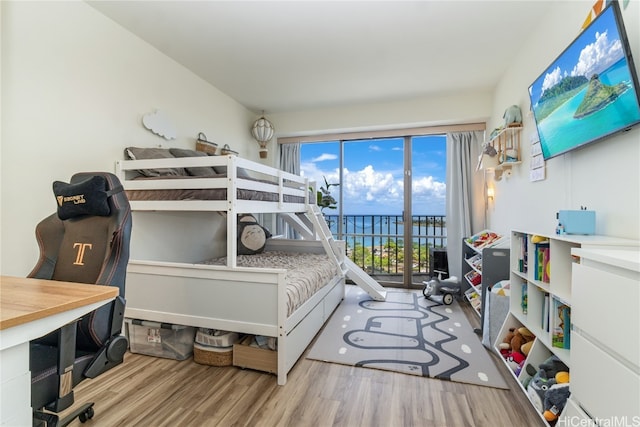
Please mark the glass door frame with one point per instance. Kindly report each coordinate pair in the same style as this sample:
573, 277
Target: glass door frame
407, 214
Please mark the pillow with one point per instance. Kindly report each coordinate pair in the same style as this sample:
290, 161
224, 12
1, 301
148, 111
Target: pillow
88, 197
252, 237
136, 153
194, 171
220, 170
240, 172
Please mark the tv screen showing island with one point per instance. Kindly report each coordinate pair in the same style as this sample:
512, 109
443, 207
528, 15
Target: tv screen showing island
590, 91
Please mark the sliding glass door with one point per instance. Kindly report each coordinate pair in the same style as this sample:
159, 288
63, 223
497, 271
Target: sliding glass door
385, 198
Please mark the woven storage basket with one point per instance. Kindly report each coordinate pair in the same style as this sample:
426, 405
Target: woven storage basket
212, 356
227, 150
204, 145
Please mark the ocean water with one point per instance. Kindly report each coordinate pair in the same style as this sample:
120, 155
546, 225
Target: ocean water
375, 230
560, 132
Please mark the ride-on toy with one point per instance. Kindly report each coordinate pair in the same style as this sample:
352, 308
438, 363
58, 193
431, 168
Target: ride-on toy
444, 288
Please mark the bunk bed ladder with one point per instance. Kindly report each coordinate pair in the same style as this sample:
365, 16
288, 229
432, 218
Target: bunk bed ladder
353, 272
322, 229
301, 224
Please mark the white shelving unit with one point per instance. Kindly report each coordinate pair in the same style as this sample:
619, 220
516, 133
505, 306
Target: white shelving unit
550, 286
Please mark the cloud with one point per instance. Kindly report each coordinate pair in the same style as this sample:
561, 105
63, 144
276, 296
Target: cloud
371, 191
374, 186
324, 156
375, 148
159, 124
551, 79
598, 56
427, 186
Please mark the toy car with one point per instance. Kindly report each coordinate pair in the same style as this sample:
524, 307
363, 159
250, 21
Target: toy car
445, 288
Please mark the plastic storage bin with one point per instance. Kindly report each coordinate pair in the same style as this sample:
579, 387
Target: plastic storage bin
160, 339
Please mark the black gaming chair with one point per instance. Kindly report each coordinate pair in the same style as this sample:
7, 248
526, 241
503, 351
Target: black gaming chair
86, 240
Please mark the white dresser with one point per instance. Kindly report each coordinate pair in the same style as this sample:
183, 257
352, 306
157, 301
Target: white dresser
605, 338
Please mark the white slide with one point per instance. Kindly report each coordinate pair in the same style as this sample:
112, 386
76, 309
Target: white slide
364, 281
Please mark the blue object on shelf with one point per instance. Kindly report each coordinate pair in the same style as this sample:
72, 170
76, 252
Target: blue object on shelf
578, 222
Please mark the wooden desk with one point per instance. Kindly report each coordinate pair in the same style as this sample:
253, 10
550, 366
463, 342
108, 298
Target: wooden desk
29, 309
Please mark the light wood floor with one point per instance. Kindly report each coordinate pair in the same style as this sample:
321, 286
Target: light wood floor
149, 391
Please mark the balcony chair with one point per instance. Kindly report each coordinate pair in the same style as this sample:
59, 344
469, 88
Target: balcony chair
87, 241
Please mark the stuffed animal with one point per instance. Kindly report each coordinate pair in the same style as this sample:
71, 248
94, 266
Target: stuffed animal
551, 372
555, 400
512, 114
252, 237
515, 360
522, 340
506, 341
517, 340
552, 366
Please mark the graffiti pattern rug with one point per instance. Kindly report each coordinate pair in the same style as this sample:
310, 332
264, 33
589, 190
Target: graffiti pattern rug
406, 333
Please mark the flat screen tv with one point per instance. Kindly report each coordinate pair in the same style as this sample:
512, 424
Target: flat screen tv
590, 91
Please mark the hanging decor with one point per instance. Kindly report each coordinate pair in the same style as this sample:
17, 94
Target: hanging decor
262, 130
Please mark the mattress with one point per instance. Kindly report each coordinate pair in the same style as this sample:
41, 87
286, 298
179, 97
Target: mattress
306, 272
206, 193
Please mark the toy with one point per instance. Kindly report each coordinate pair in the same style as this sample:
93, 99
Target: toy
506, 341
515, 360
552, 366
551, 372
442, 287
526, 348
517, 340
520, 340
555, 400
512, 115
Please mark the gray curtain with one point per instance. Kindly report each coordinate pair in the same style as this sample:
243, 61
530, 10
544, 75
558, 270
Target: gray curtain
462, 152
289, 162
290, 158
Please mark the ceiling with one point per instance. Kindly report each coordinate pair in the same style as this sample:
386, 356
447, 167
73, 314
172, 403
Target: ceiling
279, 56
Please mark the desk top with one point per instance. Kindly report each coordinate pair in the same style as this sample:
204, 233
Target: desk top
23, 300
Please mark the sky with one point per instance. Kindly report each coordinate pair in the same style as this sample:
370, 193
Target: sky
373, 174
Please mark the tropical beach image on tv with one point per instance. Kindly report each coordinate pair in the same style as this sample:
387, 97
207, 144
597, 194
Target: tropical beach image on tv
590, 91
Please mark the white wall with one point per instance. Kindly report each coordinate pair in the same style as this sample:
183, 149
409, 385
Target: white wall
603, 176
75, 86
441, 109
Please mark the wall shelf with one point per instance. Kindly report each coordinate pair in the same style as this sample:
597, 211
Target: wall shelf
507, 144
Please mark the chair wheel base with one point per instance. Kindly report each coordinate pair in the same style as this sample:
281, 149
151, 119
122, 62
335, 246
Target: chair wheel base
83, 413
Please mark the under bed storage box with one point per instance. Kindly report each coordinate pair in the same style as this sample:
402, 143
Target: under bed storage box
214, 347
249, 356
160, 339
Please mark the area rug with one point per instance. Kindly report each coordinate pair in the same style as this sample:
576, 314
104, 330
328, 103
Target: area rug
406, 333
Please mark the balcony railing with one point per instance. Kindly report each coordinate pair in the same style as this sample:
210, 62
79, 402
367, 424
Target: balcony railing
376, 242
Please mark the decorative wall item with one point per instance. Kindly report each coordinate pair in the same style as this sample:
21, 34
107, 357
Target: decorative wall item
262, 130
512, 115
159, 124
227, 150
537, 169
204, 145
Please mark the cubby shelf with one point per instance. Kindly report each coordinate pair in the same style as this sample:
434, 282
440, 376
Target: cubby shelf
541, 293
485, 262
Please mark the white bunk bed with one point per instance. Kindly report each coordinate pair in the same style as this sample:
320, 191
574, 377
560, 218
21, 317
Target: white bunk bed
229, 297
